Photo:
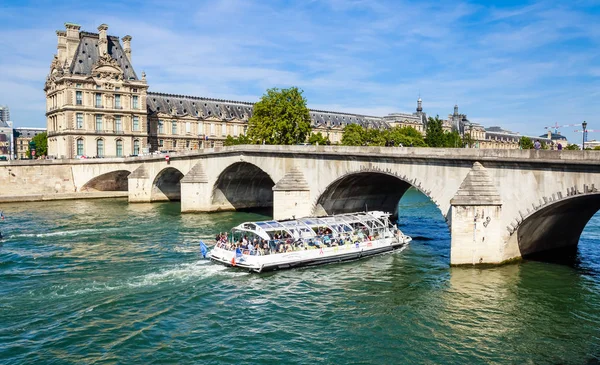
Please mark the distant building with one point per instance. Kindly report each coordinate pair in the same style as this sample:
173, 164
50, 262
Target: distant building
22, 137
6, 140
4, 113
556, 138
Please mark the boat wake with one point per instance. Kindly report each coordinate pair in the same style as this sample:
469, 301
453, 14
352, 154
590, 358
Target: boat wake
76, 232
181, 273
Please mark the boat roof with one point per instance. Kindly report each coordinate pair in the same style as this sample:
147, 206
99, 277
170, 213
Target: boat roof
303, 227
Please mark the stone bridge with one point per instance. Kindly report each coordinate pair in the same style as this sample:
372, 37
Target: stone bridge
499, 204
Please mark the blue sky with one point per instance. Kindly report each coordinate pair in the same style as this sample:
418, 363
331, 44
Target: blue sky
520, 65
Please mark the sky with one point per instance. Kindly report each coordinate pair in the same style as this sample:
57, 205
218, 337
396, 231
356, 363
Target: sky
521, 65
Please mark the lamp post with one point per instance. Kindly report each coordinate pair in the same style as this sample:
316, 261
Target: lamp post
584, 125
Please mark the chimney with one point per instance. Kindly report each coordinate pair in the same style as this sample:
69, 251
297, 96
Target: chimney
62, 46
102, 40
127, 46
72, 40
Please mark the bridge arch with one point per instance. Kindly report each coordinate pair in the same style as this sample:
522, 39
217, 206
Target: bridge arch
110, 181
554, 229
166, 185
361, 190
242, 185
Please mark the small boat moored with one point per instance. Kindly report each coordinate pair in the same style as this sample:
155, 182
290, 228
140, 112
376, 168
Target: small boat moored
276, 245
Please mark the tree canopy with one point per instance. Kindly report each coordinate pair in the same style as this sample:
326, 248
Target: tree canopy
434, 134
572, 147
242, 139
526, 143
354, 135
41, 145
318, 139
280, 117
357, 135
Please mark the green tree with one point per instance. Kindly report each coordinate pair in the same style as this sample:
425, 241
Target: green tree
280, 117
318, 139
376, 137
354, 135
404, 136
597, 148
572, 147
232, 141
452, 140
41, 145
434, 136
526, 143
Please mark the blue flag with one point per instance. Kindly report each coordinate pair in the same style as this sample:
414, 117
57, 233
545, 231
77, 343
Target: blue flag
203, 249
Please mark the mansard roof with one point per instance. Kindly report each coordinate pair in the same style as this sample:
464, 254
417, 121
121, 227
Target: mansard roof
201, 107
87, 54
181, 105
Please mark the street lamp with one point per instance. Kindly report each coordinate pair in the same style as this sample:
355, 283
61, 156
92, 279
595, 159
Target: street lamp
584, 125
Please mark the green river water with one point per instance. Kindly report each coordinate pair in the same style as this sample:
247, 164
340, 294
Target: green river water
105, 282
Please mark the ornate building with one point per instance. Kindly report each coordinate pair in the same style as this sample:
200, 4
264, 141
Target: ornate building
96, 104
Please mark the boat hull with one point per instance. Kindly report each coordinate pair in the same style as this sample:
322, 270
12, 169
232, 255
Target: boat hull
312, 257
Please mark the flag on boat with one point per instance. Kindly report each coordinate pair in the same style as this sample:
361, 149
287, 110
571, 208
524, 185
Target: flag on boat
203, 249
237, 257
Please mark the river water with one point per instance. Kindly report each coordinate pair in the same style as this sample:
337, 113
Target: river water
105, 282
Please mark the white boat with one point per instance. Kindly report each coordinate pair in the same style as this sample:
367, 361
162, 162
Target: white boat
275, 245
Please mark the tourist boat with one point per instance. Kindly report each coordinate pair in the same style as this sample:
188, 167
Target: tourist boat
276, 245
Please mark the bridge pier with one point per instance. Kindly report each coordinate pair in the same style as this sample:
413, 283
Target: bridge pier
139, 186
196, 192
475, 222
291, 196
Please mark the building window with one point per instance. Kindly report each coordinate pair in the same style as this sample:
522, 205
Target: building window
161, 127
118, 124
188, 127
187, 144
174, 127
119, 148
223, 129
117, 101
98, 122
98, 100
175, 144
100, 148
136, 147
161, 142
212, 129
245, 129
98, 86
78, 85
235, 130
136, 123
134, 103
79, 120
78, 98
80, 147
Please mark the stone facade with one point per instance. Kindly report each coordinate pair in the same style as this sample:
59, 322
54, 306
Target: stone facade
96, 104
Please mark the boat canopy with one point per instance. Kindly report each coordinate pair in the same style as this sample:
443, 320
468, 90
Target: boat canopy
305, 227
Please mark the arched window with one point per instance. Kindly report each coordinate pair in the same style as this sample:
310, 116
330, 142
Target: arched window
100, 148
136, 147
119, 148
79, 147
